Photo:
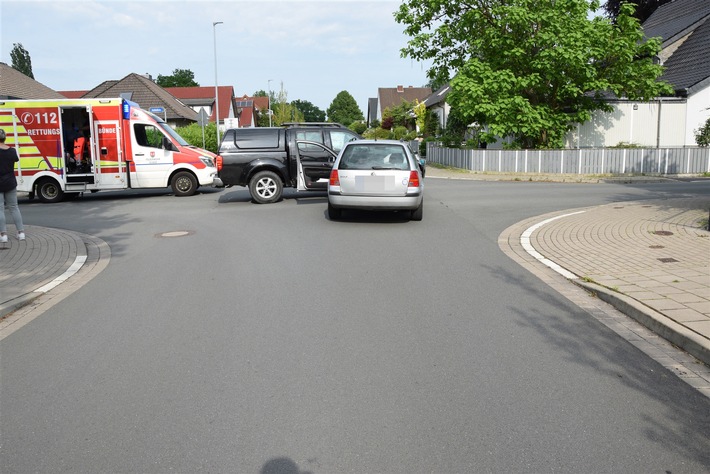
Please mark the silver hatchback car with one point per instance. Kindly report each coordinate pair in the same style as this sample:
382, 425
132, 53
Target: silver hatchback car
376, 175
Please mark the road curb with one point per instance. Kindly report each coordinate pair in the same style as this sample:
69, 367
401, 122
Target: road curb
13, 305
660, 324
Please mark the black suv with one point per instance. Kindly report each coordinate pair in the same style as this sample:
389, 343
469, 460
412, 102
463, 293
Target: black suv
297, 155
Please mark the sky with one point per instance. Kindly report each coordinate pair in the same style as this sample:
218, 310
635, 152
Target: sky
316, 49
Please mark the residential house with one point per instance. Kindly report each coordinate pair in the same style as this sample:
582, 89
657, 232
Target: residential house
684, 28
262, 106
248, 109
148, 95
437, 104
394, 96
14, 85
371, 111
200, 97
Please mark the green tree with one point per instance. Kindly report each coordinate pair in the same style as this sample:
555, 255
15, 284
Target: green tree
21, 60
310, 112
528, 69
437, 83
179, 78
454, 134
344, 109
425, 120
283, 111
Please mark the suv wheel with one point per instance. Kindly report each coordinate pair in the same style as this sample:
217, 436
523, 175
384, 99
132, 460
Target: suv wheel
266, 187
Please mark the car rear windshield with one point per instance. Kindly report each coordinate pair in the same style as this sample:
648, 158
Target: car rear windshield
373, 157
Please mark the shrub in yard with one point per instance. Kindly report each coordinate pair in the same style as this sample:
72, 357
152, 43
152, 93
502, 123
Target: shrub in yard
358, 127
399, 132
193, 135
377, 133
702, 135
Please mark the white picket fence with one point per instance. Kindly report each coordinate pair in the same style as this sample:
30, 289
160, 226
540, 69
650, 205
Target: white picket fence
653, 161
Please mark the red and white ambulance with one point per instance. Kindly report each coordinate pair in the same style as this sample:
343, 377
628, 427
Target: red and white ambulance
71, 146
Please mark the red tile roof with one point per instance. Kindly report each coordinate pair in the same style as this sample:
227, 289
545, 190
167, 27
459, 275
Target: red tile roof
205, 95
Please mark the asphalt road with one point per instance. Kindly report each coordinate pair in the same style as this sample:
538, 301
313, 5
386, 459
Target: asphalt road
270, 339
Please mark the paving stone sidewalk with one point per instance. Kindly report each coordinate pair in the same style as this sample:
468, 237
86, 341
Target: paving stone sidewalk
46, 259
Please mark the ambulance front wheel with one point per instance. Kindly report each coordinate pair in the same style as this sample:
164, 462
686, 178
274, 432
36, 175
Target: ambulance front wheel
48, 190
184, 183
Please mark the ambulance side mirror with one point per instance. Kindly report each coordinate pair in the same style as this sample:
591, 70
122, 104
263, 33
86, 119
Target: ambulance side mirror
167, 144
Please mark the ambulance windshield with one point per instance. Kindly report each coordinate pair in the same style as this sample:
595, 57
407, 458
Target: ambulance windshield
167, 129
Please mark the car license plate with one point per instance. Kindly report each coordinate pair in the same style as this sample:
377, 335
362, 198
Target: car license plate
374, 184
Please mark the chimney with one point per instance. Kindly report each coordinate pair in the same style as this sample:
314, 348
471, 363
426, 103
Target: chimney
400, 89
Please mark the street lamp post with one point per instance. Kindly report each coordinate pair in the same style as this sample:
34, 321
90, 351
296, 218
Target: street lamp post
216, 92
269, 97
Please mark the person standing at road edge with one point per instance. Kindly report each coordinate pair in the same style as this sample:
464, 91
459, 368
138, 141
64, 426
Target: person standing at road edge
8, 190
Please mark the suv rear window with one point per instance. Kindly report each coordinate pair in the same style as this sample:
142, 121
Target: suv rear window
252, 138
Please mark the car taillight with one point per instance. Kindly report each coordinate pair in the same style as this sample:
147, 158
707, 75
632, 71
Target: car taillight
218, 163
334, 179
413, 179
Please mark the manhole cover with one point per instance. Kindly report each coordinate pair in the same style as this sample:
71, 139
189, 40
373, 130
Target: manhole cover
667, 260
175, 233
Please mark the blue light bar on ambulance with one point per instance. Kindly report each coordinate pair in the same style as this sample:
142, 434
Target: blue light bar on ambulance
126, 105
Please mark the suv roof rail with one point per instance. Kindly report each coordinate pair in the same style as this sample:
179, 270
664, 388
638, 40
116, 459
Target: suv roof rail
313, 124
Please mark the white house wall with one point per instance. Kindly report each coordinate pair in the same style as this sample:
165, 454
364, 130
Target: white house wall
698, 113
442, 113
673, 125
634, 123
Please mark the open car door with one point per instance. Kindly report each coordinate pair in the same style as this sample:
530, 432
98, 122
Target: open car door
313, 163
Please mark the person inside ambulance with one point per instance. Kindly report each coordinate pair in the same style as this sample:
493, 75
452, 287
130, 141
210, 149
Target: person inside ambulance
70, 135
81, 151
